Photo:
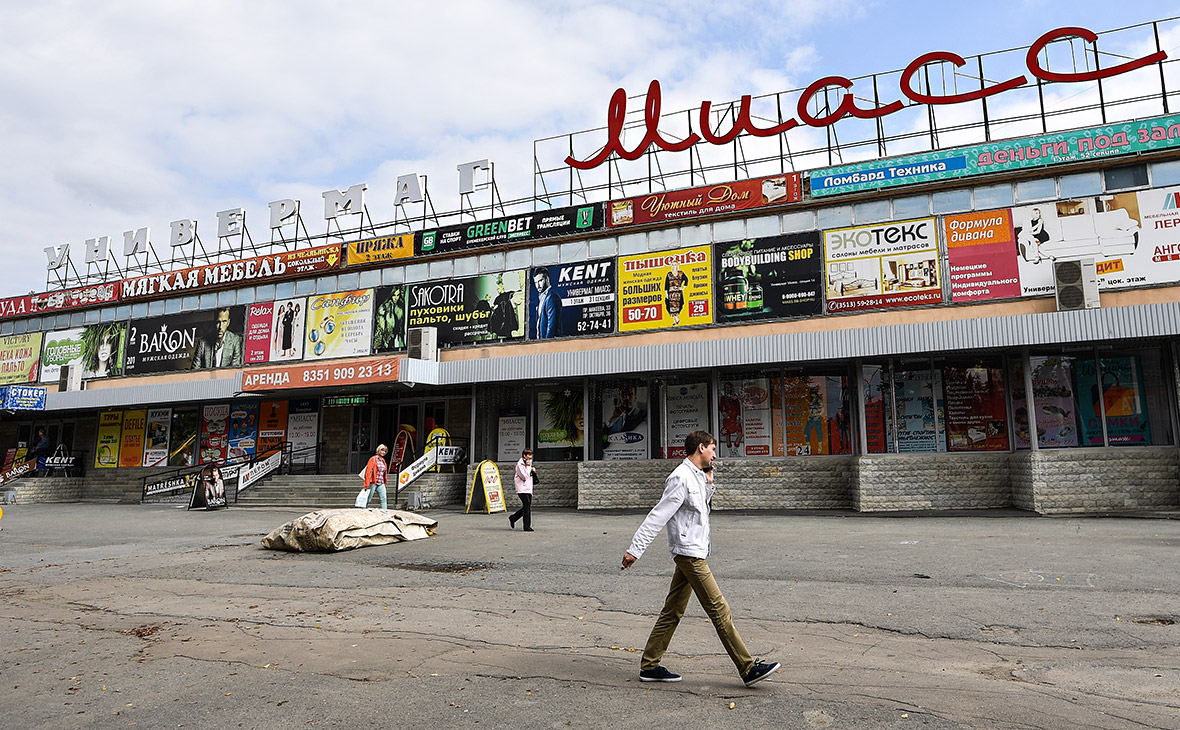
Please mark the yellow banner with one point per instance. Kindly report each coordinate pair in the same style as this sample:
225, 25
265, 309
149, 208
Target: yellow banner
19, 357
106, 447
131, 444
666, 289
376, 250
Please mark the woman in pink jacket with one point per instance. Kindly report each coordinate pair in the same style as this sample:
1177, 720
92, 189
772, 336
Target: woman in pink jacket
524, 490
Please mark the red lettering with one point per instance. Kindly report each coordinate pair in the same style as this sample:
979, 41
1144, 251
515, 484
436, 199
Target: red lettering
908, 89
1035, 49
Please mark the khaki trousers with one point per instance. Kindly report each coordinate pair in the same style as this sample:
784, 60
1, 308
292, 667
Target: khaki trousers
693, 576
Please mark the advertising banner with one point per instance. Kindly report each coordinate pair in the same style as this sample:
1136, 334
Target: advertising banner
131, 442
303, 429
318, 375
214, 433
686, 409
982, 252
189, 341
243, 431
665, 289
475, 309
389, 318
486, 493
87, 296
572, 299
707, 200
763, 278
379, 250
882, 265
976, 409
560, 421
22, 397
98, 349
164, 485
1053, 397
155, 447
272, 426
745, 410
258, 470
625, 427
20, 358
914, 402
274, 331
511, 437
339, 325
804, 408
1120, 394
285, 265
1124, 138
106, 445
525, 227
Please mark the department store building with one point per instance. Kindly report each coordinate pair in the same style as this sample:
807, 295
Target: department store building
970, 326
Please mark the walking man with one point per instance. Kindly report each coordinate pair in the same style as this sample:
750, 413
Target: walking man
684, 508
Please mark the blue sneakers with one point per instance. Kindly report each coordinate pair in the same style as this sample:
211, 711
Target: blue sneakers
659, 674
759, 672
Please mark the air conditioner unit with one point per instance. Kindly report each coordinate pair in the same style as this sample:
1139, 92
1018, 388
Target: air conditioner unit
70, 378
423, 343
1077, 285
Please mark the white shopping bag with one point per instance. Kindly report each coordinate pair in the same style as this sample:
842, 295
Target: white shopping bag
362, 499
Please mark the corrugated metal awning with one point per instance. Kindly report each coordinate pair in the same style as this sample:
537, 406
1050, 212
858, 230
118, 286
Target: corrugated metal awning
152, 394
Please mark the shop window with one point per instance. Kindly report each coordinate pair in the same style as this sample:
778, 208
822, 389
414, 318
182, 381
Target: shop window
61, 321
246, 296
871, 211
155, 308
917, 406
20, 326
262, 293
913, 207
685, 408
622, 422
747, 413
6, 328
1127, 176
1055, 402
878, 405
123, 312
91, 316
108, 314
990, 197
370, 278
951, 201
975, 406
502, 421
172, 306
303, 287
77, 319
189, 303
813, 413
560, 423
206, 301
1080, 185
227, 298
285, 290
181, 437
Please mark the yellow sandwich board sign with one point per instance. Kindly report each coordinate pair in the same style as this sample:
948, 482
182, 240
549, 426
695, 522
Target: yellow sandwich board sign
486, 491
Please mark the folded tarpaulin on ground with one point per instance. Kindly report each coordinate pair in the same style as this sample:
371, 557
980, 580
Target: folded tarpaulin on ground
343, 529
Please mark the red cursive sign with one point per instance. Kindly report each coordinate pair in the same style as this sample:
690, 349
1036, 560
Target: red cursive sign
617, 109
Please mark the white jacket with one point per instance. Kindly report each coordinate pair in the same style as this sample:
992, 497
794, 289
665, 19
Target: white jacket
684, 508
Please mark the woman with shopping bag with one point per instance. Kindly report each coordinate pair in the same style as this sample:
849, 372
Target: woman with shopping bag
375, 472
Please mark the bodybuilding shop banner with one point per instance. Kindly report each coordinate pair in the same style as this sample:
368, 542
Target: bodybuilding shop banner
59, 300
665, 289
20, 356
476, 309
339, 325
1134, 239
286, 265
572, 299
761, 278
526, 227
882, 265
1018, 154
97, 349
708, 200
189, 341
274, 331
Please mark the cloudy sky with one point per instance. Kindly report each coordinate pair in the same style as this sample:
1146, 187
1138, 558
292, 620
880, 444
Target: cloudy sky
119, 115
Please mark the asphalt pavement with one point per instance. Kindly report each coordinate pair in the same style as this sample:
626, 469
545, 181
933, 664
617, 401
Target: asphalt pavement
151, 616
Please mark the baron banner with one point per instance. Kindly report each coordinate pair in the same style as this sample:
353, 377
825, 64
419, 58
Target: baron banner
710, 200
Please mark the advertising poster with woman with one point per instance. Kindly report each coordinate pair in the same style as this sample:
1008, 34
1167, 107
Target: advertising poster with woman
208, 490
97, 349
686, 409
560, 421
666, 289
389, 318
274, 330
155, 446
625, 426
214, 433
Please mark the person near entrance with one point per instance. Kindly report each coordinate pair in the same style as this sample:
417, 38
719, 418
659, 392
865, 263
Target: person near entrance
684, 508
524, 489
375, 472
40, 451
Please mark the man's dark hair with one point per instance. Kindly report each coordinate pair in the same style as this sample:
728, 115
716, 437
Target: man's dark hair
542, 271
696, 439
